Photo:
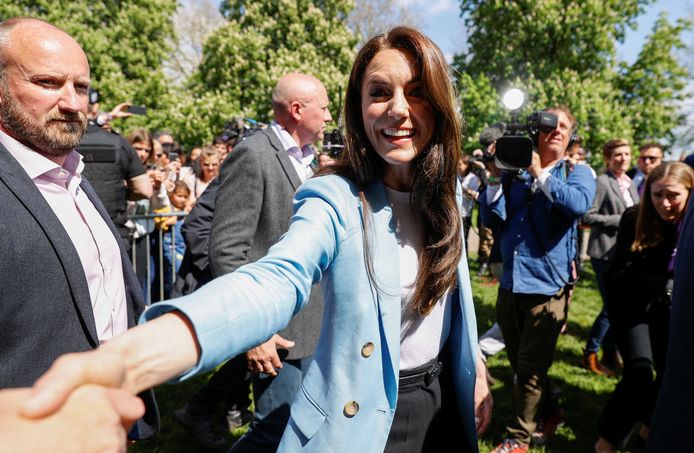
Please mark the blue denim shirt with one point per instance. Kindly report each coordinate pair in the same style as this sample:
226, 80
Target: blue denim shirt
538, 234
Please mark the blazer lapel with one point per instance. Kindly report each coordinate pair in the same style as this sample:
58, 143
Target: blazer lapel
634, 192
283, 158
17, 180
614, 185
385, 259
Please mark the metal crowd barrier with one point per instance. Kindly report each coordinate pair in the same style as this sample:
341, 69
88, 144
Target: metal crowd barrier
151, 229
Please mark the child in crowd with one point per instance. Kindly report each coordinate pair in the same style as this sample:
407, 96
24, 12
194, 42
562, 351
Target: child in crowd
171, 240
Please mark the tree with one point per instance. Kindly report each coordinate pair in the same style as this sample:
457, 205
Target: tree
563, 51
519, 38
125, 42
193, 23
654, 84
262, 41
371, 17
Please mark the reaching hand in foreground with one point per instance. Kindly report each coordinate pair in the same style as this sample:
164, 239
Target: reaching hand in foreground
92, 419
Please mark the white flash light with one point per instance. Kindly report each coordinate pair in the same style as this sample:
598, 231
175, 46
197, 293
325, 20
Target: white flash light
513, 99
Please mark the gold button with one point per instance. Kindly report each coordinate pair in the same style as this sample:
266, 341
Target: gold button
367, 350
351, 409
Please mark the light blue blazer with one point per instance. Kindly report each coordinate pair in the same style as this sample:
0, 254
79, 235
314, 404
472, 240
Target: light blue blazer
349, 392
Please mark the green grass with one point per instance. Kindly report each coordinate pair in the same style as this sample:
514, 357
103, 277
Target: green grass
584, 394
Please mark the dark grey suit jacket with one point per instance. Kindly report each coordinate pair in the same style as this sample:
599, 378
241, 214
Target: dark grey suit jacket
603, 217
45, 305
252, 210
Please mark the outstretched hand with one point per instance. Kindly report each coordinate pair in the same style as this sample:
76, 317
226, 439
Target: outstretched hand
92, 419
67, 373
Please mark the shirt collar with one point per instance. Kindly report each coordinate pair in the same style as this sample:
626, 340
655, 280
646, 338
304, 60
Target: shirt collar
36, 164
288, 141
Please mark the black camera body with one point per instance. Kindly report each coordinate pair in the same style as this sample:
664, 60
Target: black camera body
333, 143
514, 150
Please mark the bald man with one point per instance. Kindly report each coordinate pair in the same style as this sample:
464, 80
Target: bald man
253, 207
66, 282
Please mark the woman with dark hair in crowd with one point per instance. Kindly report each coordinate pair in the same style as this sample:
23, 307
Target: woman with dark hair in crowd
639, 287
381, 230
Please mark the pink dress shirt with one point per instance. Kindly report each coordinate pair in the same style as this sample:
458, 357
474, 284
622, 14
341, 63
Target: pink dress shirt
95, 243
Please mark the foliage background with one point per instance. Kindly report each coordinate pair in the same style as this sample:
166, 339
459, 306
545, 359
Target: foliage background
558, 51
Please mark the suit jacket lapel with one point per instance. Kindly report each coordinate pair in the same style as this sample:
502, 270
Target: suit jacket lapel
614, 185
283, 158
634, 192
17, 180
386, 266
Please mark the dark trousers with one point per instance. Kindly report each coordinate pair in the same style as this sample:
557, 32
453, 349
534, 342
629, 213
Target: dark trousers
600, 333
228, 386
643, 348
273, 397
530, 324
426, 417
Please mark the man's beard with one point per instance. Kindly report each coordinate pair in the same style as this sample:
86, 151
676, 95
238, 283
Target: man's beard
53, 138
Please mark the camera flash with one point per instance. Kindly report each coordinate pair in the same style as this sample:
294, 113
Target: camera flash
513, 99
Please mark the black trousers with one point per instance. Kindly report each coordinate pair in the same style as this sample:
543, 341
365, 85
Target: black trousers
427, 418
643, 347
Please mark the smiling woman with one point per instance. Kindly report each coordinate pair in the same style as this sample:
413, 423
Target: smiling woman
396, 366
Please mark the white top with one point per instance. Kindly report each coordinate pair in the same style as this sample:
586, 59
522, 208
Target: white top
471, 182
421, 337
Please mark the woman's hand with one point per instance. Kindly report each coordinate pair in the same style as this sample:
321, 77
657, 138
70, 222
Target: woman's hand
92, 419
483, 399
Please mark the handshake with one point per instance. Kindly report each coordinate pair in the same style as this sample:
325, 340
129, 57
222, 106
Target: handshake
86, 401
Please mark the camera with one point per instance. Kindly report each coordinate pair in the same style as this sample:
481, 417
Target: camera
333, 143
238, 129
514, 150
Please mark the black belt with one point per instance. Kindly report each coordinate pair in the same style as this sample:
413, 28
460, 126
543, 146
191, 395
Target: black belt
426, 373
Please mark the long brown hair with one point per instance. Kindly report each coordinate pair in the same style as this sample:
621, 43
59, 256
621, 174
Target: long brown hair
433, 185
142, 136
649, 225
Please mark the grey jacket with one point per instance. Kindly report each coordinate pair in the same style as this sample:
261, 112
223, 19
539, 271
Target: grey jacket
603, 217
44, 296
252, 210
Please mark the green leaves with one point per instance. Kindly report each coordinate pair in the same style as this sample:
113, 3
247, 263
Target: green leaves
563, 51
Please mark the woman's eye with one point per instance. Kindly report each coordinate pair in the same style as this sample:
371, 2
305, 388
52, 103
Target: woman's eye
377, 93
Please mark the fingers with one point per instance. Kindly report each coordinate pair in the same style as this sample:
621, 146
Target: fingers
66, 374
282, 342
483, 414
129, 407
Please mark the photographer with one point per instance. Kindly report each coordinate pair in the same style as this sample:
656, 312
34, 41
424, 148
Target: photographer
534, 212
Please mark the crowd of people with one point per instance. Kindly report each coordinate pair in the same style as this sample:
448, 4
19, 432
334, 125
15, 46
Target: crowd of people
337, 287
